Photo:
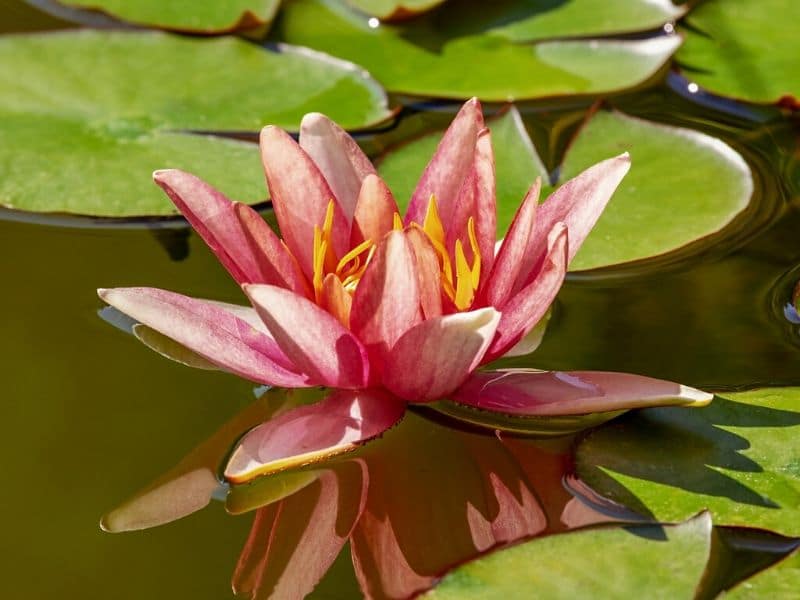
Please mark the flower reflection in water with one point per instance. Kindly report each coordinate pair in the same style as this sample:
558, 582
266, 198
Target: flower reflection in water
423, 498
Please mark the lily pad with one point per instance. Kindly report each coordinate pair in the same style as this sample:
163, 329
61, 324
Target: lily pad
667, 561
780, 581
426, 59
738, 458
660, 206
179, 15
745, 49
394, 9
87, 115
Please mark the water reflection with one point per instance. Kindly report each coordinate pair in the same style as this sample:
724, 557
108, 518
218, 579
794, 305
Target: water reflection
425, 497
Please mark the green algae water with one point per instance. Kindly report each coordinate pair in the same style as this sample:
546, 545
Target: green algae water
90, 415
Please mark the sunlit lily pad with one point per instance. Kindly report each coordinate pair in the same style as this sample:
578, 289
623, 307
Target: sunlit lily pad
739, 458
178, 15
425, 59
780, 581
88, 115
660, 206
744, 49
606, 562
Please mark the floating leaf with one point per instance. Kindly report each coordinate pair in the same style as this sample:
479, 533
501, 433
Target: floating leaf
219, 16
780, 581
423, 59
87, 115
603, 562
394, 9
660, 206
523, 21
744, 49
739, 458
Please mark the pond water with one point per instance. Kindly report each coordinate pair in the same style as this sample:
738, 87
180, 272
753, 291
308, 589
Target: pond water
90, 415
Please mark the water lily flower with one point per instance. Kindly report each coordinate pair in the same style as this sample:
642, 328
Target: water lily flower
399, 310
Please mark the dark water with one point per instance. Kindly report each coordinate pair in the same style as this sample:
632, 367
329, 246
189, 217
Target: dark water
89, 415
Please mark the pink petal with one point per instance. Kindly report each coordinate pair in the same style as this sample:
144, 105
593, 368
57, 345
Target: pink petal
294, 542
313, 339
386, 302
449, 167
337, 156
300, 197
509, 259
578, 203
485, 201
374, 212
538, 393
529, 305
339, 423
428, 272
211, 330
432, 359
278, 266
212, 215
335, 299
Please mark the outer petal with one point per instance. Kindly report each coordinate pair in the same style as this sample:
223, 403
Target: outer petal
315, 341
295, 541
374, 212
523, 311
386, 303
485, 200
210, 330
338, 156
337, 424
300, 197
279, 267
435, 357
212, 216
449, 167
540, 393
509, 259
578, 203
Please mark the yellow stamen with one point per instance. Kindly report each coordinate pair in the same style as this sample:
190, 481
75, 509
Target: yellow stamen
432, 225
397, 222
476, 253
352, 256
465, 291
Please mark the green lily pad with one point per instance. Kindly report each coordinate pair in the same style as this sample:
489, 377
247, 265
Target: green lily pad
182, 15
738, 458
425, 59
394, 9
745, 49
660, 206
523, 21
88, 115
606, 562
780, 581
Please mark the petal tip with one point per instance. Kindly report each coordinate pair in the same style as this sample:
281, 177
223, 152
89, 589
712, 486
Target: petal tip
697, 397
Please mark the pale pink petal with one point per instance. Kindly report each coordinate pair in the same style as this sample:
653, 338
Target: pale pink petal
386, 302
317, 343
432, 359
300, 197
212, 216
509, 259
449, 167
338, 156
278, 266
578, 203
212, 331
539, 393
294, 542
485, 201
529, 305
374, 213
429, 273
339, 423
